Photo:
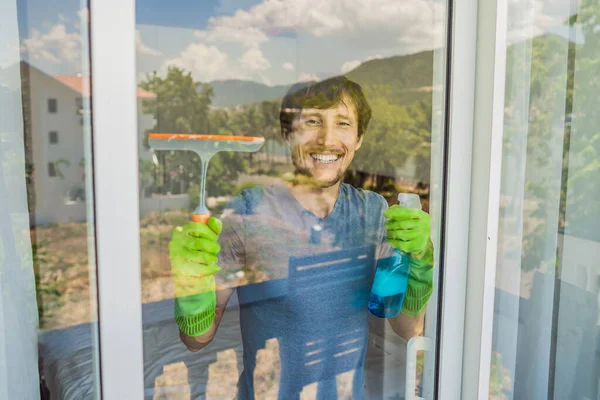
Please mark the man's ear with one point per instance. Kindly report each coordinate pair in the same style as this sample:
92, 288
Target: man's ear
360, 140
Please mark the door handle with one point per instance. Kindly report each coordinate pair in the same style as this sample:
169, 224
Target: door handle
415, 344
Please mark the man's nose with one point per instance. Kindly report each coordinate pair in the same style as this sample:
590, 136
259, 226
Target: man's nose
326, 135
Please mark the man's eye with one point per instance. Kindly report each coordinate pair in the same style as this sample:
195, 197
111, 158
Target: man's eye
312, 121
343, 123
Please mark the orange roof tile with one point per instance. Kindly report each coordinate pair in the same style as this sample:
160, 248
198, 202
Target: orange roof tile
77, 84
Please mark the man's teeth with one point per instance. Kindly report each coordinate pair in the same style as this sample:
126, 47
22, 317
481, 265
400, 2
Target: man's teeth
325, 158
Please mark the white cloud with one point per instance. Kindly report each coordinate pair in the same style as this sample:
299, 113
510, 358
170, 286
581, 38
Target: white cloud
412, 23
265, 80
57, 46
390, 27
208, 63
142, 48
308, 77
9, 54
349, 66
63, 19
253, 59
375, 57
229, 32
84, 15
529, 19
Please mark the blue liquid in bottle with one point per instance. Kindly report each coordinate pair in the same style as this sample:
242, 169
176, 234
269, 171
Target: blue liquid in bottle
389, 286
391, 276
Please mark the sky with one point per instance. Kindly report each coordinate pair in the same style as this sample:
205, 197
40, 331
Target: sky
268, 41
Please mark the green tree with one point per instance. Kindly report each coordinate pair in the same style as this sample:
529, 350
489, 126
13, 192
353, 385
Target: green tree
397, 135
581, 182
533, 116
271, 129
182, 105
147, 172
418, 138
247, 121
579, 210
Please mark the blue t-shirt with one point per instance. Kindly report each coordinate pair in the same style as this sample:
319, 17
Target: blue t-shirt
309, 281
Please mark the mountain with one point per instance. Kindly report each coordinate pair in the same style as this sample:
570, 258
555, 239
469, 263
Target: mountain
404, 79
401, 80
230, 93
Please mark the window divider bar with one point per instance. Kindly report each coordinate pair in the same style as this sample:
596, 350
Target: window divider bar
485, 196
460, 88
116, 212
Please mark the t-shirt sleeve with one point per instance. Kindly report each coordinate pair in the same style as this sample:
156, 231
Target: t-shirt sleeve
232, 256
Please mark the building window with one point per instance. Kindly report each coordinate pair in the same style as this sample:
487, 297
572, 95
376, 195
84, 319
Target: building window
53, 137
52, 106
51, 170
75, 195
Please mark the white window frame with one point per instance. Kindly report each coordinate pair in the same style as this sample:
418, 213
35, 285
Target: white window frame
485, 196
460, 88
476, 117
115, 167
472, 183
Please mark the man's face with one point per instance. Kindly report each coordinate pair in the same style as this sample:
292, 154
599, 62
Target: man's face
323, 142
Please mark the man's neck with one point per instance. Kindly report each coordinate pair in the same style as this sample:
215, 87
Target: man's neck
319, 201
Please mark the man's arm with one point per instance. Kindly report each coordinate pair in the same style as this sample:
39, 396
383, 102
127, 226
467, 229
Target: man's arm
196, 343
408, 231
407, 327
231, 257
410, 321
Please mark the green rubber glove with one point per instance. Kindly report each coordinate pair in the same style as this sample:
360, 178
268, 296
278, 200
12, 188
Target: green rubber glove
193, 251
408, 230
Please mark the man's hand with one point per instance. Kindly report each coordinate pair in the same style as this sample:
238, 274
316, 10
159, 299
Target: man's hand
193, 251
408, 230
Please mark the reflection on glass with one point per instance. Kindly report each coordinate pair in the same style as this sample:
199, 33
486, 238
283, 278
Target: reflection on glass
297, 225
46, 128
546, 332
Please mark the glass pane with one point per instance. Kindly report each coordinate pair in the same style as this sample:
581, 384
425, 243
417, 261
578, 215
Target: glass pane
308, 121
48, 307
546, 341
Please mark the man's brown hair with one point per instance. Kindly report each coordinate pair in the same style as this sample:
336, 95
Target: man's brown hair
323, 95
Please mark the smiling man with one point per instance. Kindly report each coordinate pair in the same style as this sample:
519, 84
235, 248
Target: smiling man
320, 322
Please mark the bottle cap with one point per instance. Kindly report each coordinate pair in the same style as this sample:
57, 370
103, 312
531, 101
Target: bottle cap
409, 200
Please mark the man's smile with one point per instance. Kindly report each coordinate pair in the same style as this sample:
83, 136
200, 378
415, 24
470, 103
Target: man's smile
325, 158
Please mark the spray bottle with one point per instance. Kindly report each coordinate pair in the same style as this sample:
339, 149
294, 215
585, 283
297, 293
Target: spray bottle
391, 276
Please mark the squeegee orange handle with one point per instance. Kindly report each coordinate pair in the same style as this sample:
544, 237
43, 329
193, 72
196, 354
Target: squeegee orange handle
202, 218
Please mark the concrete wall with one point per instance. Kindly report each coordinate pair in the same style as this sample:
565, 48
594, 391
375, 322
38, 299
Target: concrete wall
53, 204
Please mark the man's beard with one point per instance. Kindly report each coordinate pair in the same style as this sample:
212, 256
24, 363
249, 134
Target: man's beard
311, 180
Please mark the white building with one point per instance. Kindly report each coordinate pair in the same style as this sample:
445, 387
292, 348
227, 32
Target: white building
58, 127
